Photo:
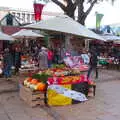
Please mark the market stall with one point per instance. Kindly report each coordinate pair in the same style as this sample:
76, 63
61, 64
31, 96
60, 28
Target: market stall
28, 64
69, 84
61, 85
3, 37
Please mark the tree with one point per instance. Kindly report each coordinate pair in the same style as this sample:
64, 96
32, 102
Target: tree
69, 7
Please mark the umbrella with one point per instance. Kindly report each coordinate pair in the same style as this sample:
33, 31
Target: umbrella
4, 36
64, 24
26, 34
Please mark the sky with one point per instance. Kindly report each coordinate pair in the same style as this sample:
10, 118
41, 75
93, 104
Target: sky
111, 13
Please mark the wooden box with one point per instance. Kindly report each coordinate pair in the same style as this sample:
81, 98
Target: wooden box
32, 98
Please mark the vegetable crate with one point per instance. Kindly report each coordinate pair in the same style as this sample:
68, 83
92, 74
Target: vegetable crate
32, 98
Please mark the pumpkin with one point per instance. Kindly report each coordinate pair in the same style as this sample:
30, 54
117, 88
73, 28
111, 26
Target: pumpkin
41, 86
34, 81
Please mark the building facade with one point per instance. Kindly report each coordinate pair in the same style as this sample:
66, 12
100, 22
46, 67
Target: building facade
25, 16
22, 15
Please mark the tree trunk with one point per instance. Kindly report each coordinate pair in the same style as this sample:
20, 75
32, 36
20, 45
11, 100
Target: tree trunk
70, 11
81, 13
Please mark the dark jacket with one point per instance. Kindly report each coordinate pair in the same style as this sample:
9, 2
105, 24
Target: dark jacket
93, 59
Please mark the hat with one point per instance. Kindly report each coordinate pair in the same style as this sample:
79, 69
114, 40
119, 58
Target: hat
43, 48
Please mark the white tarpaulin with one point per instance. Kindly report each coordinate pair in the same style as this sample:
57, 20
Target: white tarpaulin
4, 36
68, 93
26, 34
65, 24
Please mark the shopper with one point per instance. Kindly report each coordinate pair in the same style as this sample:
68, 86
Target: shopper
93, 63
7, 63
17, 59
43, 58
50, 58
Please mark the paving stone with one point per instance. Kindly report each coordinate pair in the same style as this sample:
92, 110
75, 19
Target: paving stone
19, 116
3, 116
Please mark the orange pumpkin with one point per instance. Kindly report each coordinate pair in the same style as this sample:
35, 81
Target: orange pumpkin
41, 86
34, 81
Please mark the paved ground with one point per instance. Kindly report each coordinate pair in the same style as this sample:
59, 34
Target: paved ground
104, 106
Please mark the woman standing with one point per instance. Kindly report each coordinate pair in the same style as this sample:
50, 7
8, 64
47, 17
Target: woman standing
43, 58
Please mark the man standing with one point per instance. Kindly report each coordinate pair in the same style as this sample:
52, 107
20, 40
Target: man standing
7, 63
93, 63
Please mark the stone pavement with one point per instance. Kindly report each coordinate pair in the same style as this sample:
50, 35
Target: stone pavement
12, 108
104, 106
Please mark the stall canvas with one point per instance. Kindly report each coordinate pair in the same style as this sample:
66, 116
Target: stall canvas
26, 34
4, 36
65, 24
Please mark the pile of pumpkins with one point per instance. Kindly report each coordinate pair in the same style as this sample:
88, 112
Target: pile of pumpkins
34, 84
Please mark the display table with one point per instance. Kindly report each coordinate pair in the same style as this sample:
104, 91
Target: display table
65, 86
32, 98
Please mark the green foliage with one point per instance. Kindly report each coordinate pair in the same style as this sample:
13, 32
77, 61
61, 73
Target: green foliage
41, 77
58, 66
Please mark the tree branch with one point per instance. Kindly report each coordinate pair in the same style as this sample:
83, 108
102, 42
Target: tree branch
76, 3
90, 8
70, 2
62, 6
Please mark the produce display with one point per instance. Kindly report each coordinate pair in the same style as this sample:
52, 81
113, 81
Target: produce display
64, 85
59, 74
27, 62
34, 84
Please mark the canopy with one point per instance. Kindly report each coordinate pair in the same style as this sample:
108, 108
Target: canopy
110, 37
26, 34
65, 24
117, 42
4, 36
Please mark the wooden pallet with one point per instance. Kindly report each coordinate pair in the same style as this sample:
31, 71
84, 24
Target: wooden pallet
32, 98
